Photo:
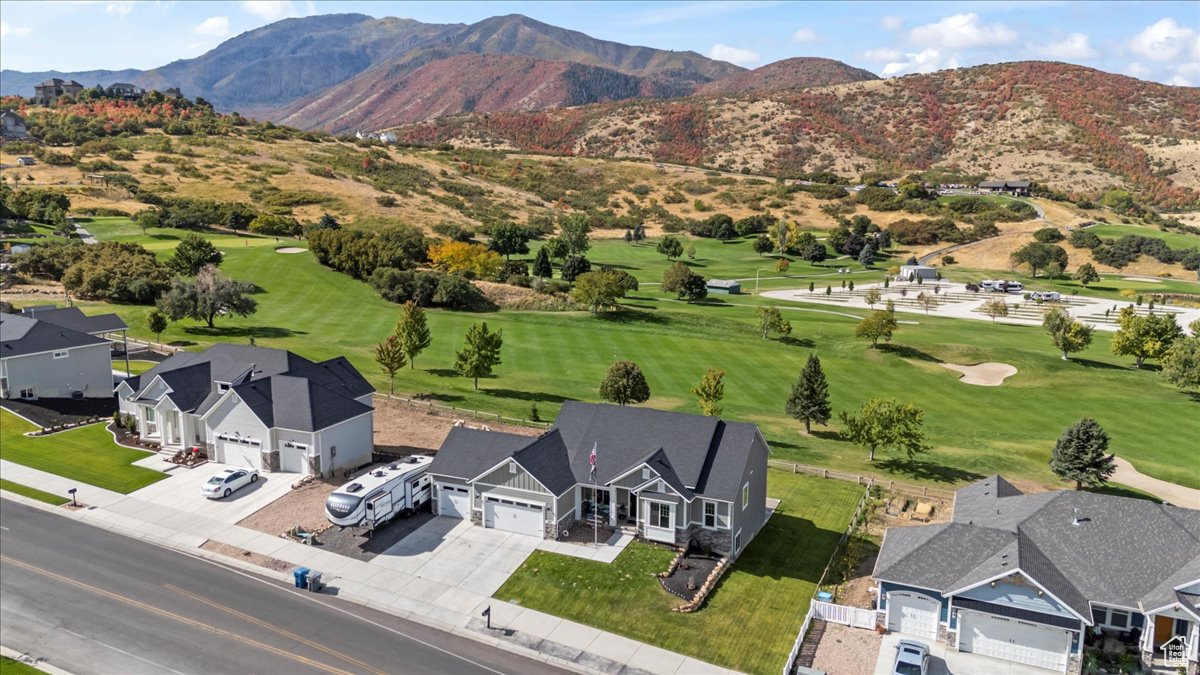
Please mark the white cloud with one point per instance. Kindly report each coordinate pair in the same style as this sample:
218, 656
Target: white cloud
741, 57
1076, 47
925, 61
892, 22
13, 31
961, 31
1163, 40
806, 35
883, 55
1186, 75
120, 8
213, 25
1137, 70
274, 10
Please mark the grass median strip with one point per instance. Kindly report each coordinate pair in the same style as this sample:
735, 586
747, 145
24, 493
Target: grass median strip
748, 622
87, 454
32, 493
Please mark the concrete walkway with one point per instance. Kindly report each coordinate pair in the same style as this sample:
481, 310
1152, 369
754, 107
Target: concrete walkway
1169, 492
452, 608
85, 235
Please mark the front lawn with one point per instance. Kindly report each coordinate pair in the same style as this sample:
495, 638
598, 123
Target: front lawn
748, 623
32, 493
87, 454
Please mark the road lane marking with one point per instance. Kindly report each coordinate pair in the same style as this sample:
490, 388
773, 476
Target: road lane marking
182, 619
259, 622
3, 528
85, 638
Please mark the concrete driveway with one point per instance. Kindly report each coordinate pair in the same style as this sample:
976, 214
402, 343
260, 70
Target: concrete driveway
181, 490
453, 552
944, 660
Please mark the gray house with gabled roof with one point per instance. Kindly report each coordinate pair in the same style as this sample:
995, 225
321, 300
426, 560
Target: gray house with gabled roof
268, 409
670, 477
1024, 577
39, 359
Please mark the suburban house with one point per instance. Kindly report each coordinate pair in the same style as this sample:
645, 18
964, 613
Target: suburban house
914, 272
39, 359
130, 92
251, 406
49, 91
1018, 188
12, 125
667, 477
1033, 578
108, 326
724, 287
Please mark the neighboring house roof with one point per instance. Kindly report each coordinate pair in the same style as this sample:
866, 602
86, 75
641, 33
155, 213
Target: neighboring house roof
723, 283
1124, 552
283, 389
21, 335
1004, 184
696, 455
75, 319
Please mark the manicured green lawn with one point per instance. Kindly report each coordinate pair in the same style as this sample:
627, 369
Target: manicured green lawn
135, 367
87, 454
162, 240
551, 357
32, 493
749, 621
13, 667
1173, 239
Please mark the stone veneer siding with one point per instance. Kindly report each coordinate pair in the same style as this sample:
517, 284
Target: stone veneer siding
717, 540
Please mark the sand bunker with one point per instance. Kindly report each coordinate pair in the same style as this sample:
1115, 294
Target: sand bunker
290, 249
983, 374
1148, 280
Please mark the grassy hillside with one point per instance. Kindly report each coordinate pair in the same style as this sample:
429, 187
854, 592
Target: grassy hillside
552, 357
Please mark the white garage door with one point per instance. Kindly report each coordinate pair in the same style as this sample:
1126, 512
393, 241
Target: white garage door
510, 516
292, 460
1013, 640
240, 455
453, 501
912, 613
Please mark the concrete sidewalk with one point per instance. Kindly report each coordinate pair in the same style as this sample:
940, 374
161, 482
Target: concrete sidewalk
451, 608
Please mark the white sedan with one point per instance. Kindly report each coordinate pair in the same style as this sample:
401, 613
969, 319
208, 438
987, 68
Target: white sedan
228, 481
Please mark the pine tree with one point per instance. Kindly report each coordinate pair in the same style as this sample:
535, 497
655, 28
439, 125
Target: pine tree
412, 330
541, 264
1081, 455
809, 401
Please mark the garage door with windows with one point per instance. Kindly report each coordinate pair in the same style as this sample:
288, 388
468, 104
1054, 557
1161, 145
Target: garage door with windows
1014, 640
240, 454
513, 516
913, 613
453, 501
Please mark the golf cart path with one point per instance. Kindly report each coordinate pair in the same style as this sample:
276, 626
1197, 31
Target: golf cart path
1175, 494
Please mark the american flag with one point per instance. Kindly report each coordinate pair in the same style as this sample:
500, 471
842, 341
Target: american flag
592, 461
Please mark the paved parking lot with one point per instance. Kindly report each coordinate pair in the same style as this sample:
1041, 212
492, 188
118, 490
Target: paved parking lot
181, 490
944, 660
455, 553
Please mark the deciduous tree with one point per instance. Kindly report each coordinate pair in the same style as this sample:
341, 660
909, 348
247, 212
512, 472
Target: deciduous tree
809, 400
480, 353
1086, 274
574, 266
1181, 363
509, 238
1144, 337
412, 331
710, 391
871, 297
995, 308
156, 321
206, 296
876, 326
770, 319
1081, 455
390, 357
456, 257
1039, 256
670, 246
601, 289
624, 383
763, 245
1068, 335
193, 253
887, 424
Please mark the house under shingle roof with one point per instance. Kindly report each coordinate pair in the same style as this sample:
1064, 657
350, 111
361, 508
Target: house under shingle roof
75, 319
1081, 546
21, 335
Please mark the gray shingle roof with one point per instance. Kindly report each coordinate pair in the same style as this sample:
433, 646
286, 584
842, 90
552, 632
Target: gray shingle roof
289, 402
1124, 552
75, 319
467, 452
661, 464
703, 455
21, 335
546, 460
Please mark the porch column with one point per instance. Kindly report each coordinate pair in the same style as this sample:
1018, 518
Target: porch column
613, 507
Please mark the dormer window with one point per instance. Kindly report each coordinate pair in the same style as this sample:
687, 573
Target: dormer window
645, 473
222, 387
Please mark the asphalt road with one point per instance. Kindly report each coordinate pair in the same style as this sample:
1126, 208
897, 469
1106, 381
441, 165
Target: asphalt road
91, 601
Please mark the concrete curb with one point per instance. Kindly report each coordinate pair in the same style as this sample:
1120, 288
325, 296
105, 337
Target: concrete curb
284, 576
33, 662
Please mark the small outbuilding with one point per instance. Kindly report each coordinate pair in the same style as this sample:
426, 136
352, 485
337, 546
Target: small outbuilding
726, 286
914, 272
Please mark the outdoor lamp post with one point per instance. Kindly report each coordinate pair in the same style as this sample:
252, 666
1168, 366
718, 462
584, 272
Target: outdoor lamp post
756, 273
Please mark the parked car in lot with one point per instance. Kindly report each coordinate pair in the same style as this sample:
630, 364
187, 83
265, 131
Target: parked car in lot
1045, 296
228, 481
912, 658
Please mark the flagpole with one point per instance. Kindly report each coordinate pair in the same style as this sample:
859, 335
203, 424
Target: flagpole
595, 501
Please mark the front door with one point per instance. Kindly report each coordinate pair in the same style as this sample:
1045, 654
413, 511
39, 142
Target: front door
1164, 629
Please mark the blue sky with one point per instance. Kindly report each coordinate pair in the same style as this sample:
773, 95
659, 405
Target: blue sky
1151, 40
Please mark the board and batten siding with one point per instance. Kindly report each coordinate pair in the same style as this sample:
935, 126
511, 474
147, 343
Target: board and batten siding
87, 369
354, 439
634, 479
752, 518
503, 476
232, 416
696, 512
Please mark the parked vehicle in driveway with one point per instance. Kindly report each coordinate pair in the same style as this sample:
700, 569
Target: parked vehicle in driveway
228, 481
912, 658
383, 492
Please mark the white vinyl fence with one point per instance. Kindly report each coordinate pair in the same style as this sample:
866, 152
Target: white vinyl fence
855, 617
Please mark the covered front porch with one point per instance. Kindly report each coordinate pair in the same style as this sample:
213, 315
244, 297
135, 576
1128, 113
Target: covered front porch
655, 516
1170, 639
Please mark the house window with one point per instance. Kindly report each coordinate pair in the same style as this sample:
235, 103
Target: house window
645, 473
28, 393
745, 496
512, 467
61, 354
737, 541
1111, 618
660, 515
222, 387
710, 515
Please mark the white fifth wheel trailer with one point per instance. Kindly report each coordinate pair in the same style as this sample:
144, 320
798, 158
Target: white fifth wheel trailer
383, 492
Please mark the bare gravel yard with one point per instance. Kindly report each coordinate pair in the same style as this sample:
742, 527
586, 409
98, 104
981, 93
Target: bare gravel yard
304, 506
407, 428
248, 556
847, 651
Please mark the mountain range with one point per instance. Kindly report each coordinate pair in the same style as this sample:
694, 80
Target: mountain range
342, 72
